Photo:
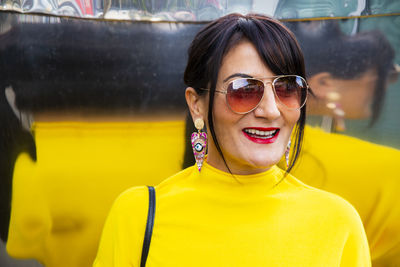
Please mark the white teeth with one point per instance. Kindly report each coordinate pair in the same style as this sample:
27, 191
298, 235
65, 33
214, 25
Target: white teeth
267, 134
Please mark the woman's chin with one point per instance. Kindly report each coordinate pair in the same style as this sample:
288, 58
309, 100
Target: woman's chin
262, 164
265, 160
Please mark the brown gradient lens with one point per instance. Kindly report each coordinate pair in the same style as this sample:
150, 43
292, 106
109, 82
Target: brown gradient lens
291, 90
243, 95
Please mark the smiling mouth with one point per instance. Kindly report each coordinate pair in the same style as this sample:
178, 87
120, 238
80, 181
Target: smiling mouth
261, 135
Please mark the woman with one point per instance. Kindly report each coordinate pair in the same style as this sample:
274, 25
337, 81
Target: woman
343, 169
236, 208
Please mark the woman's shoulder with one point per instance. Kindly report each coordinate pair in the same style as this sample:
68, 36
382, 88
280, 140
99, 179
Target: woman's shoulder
124, 228
132, 201
324, 202
137, 197
176, 179
335, 215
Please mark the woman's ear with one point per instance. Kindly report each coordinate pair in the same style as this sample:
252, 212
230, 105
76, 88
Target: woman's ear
321, 84
196, 104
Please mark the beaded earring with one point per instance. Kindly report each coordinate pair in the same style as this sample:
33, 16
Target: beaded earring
199, 143
287, 152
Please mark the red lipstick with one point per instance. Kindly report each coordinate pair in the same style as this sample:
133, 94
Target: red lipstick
261, 135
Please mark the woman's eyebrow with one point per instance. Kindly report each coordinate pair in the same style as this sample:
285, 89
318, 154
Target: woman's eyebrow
242, 75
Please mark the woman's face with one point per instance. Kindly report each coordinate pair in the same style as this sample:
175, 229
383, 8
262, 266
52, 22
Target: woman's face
244, 152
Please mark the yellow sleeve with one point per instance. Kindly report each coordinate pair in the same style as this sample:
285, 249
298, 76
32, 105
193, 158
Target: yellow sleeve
123, 233
346, 222
356, 250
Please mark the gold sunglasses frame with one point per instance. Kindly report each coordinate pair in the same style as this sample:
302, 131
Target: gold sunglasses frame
225, 92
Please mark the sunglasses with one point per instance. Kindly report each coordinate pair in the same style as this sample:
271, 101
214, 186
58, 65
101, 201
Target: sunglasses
243, 95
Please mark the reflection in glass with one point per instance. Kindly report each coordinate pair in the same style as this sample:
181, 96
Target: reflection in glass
198, 10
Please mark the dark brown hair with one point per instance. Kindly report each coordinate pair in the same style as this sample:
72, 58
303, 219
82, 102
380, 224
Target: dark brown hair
275, 44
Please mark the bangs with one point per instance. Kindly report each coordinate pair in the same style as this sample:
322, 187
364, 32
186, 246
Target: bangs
275, 44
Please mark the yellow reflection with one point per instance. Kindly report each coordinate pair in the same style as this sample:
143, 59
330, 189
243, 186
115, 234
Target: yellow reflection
60, 202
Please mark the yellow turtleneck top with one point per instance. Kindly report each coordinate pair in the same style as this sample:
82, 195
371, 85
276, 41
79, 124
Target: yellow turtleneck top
212, 218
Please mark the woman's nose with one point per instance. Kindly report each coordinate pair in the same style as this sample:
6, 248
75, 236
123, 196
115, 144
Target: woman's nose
268, 107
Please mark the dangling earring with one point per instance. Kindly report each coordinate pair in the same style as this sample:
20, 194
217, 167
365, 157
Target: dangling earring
199, 143
287, 152
338, 112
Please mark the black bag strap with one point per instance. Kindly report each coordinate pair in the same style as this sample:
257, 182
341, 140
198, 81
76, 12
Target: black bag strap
149, 225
